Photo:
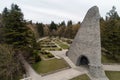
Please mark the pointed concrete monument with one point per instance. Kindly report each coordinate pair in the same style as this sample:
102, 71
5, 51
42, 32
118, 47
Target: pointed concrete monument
86, 47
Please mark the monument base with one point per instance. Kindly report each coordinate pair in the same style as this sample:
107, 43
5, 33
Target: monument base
97, 72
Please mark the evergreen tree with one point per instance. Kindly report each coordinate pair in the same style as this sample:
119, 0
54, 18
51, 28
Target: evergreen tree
53, 26
111, 33
63, 23
15, 31
112, 14
68, 32
69, 23
40, 29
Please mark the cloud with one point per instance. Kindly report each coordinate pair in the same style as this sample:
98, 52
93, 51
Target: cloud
58, 10
50, 12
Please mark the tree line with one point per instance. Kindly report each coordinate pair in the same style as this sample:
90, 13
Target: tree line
53, 29
110, 33
15, 38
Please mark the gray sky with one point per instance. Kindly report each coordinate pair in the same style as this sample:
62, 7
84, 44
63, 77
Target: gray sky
58, 10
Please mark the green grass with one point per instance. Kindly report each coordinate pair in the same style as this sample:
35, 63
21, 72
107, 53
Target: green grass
46, 56
49, 65
49, 46
106, 60
113, 75
62, 45
46, 45
81, 77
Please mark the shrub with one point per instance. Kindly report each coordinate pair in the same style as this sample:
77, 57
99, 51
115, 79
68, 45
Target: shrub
60, 49
37, 58
50, 55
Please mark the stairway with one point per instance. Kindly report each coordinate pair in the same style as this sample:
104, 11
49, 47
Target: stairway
72, 65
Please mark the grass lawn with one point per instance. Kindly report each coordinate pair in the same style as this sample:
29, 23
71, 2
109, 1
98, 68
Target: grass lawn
113, 75
62, 45
81, 77
49, 65
106, 59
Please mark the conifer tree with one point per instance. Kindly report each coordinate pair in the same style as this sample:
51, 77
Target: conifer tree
15, 31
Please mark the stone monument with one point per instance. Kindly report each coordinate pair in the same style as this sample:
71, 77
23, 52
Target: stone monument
86, 47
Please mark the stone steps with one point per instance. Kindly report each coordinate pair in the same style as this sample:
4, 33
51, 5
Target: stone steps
72, 65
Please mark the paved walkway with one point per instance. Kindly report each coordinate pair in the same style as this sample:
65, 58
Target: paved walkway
56, 44
65, 43
65, 74
62, 54
41, 39
72, 65
29, 69
61, 75
59, 54
111, 67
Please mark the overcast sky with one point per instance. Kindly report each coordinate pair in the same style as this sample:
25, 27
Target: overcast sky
58, 10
